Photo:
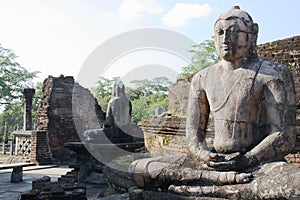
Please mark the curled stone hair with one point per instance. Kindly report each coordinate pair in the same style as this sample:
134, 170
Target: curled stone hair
236, 13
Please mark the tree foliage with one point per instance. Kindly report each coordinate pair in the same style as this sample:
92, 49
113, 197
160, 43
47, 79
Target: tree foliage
146, 105
13, 77
204, 55
148, 87
13, 113
103, 91
36, 100
146, 95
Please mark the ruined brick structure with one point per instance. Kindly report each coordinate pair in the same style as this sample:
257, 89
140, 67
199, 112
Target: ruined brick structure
66, 110
159, 141
40, 151
286, 51
164, 135
178, 96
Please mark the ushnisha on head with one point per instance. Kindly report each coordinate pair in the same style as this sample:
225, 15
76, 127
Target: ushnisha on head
118, 89
235, 35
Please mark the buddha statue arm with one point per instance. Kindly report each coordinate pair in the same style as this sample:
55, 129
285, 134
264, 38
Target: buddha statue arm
281, 115
196, 122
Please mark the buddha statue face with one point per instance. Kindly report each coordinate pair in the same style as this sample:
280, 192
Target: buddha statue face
235, 35
118, 89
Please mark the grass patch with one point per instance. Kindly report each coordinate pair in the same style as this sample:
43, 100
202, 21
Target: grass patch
3, 158
125, 160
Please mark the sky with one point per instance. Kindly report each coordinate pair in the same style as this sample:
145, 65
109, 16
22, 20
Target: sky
59, 36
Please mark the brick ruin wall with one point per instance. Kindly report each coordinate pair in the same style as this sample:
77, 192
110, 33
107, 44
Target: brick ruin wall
286, 51
66, 111
40, 148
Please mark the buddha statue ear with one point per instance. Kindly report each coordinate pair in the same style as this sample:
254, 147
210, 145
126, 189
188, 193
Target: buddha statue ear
254, 33
255, 28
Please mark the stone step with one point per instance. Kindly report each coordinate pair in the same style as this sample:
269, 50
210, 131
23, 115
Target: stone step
69, 176
66, 179
75, 166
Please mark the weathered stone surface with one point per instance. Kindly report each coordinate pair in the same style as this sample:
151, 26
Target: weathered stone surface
137, 194
28, 94
39, 183
254, 107
115, 197
166, 135
84, 161
178, 97
287, 52
271, 181
96, 178
30, 195
56, 190
17, 174
119, 107
120, 180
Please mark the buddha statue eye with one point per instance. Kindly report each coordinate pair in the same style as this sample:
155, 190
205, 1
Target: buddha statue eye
233, 30
220, 32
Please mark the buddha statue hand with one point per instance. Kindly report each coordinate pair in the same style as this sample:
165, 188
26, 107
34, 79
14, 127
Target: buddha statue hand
208, 156
235, 162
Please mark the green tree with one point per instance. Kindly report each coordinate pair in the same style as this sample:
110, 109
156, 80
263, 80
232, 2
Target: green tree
204, 56
147, 87
146, 95
103, 91
145, 105
13, 113
13, 116
13, 77
36, 100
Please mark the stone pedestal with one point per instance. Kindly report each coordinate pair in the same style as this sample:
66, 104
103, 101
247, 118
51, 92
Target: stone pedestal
84, 162
17, 174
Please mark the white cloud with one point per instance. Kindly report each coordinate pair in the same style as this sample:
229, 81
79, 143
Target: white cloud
181, 13
134, 10
54, 38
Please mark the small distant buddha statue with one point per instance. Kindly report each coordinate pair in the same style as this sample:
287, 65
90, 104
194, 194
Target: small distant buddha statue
119, 107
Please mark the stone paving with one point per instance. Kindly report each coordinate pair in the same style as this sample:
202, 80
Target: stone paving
12, 191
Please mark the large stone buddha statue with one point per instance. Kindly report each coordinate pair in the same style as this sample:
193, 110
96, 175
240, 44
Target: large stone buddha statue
254, 108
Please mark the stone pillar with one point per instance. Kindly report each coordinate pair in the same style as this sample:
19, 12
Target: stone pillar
5, 142
28, 94
17, 174
5, 133
11, 148
3, 148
